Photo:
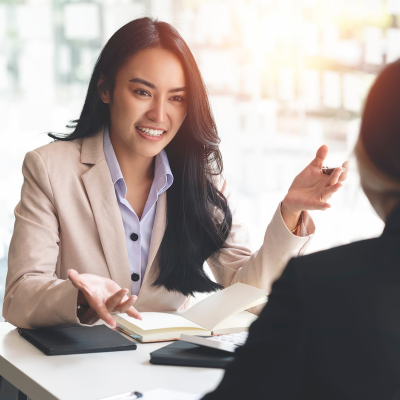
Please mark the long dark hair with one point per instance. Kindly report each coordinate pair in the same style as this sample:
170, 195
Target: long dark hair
198, 215
380, 128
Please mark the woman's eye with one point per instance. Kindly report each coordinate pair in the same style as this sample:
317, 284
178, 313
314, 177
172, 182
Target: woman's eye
142, 92
177, 98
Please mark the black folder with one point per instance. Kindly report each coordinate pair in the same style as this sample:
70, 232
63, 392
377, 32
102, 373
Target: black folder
191, 355
76, 340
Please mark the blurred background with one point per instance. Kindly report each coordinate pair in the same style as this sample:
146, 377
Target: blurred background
284, 77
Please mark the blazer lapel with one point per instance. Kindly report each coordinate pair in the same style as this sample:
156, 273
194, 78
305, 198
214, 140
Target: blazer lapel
101, 193
156, 237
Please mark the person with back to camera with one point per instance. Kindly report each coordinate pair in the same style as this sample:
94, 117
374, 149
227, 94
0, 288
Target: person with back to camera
121, 214
331, 327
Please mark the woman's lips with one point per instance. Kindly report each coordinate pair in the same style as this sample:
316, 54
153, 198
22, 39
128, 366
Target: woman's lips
148, 137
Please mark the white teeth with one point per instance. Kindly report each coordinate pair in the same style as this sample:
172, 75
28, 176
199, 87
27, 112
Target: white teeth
151, 132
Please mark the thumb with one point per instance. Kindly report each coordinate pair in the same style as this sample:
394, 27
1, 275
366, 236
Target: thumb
74, 277
76, 280
319, 159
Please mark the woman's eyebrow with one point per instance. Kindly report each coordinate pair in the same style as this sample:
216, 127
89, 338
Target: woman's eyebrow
139, 80
153, 86
179, 89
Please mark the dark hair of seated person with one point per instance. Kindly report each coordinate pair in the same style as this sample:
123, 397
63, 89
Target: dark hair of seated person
380, 130
331, 327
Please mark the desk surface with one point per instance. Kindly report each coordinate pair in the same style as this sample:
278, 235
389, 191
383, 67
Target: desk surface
93, 376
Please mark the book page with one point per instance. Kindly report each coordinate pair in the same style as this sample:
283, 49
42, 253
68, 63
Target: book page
235, 323
215, 308
155, 320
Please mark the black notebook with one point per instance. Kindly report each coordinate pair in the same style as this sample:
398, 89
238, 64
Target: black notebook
191, 355
76, 340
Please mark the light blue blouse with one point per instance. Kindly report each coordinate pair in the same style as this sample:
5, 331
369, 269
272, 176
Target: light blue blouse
137, 232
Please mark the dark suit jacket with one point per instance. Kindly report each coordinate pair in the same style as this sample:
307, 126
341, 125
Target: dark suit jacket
330, 330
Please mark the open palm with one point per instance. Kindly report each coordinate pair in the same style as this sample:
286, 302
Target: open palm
104, 296
311, 189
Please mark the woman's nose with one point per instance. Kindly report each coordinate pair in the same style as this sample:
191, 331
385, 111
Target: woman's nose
157, 113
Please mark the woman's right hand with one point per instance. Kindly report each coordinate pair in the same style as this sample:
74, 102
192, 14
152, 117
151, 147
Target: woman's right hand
104, 296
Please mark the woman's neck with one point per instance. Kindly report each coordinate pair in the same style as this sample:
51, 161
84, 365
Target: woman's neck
136, 169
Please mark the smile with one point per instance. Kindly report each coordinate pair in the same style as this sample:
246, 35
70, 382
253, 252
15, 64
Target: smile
150, 132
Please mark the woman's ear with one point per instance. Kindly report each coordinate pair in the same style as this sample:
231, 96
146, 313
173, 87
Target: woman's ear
104, 93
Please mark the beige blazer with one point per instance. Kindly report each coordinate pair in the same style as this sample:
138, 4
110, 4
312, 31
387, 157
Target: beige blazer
68, 217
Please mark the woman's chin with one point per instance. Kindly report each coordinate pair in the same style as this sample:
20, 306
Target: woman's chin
148, 150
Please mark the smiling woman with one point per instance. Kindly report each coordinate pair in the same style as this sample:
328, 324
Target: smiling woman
145, 116
121, 214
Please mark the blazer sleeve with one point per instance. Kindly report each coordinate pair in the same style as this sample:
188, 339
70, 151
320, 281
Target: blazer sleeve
236, 263
34, 295
273, 362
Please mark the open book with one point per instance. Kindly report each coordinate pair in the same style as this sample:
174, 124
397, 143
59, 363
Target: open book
220, 313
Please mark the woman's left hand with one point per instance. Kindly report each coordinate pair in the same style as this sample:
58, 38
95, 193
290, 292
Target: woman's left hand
311, 189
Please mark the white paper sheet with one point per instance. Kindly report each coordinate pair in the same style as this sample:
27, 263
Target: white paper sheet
221, 305
155, 320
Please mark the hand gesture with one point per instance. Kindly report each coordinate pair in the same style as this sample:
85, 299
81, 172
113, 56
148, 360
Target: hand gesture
104, 296
311, 189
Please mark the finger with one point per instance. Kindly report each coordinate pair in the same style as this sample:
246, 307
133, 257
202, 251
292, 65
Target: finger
334, 177
116, 299
330, 190
104, 314
132, 312
319, 159
343, 175
321, 206
76, 280
125, 305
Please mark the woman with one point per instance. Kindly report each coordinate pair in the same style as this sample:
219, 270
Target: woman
331, 329
121, 214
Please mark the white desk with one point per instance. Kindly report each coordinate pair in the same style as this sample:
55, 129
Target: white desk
93, 376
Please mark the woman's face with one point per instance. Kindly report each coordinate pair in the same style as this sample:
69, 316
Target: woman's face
149, 102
